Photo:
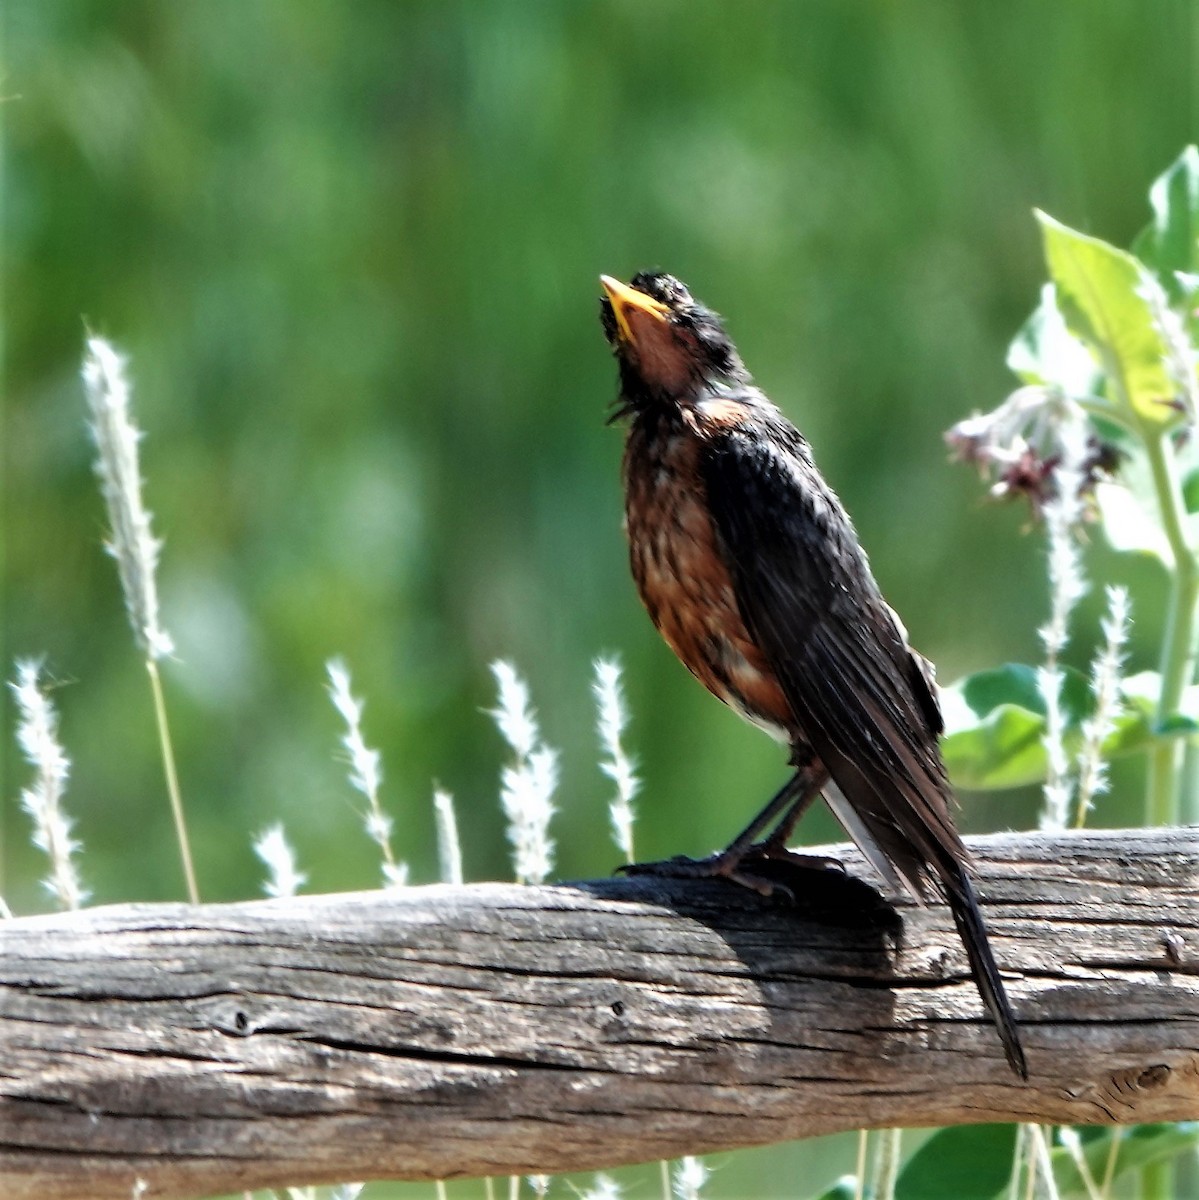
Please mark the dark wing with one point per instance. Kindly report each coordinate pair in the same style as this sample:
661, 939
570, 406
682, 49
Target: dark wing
861, 698
805, 591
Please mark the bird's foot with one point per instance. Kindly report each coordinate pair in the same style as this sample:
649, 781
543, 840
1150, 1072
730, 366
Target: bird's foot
819, 887
738, 866
716, 866
776, 852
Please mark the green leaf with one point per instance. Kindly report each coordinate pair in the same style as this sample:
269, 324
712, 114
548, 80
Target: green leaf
1127, 526
1003, 751
1142, 690
1046, 352
1139, 1146
995, 725
964, 1162
1135, 727
1140, 694
1100, 291
1190, 490
1013, 683
1176, 725
1170, 243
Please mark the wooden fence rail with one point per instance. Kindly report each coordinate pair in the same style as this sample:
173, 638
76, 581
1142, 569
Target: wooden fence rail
435, 1032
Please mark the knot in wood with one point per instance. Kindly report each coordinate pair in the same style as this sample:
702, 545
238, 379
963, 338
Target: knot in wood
1153, 1077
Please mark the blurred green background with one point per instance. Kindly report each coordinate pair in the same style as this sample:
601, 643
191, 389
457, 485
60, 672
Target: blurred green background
352, 252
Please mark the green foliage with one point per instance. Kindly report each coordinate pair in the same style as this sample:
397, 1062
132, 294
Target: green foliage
1129, 522
1170, 243
995, 723
975, 1162
1104, 308
1100, 292
351, 250
966, 1162
1135, 1148
1135, 317
1046, 352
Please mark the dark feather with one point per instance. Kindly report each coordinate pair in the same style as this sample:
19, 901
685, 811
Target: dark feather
861, 699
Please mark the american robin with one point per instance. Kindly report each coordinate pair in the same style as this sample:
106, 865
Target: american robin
752, 571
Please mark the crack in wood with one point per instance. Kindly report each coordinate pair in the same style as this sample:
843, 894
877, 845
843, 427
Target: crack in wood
493, 1029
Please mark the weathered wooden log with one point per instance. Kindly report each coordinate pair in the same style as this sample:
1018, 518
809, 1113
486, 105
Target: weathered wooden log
436, 1032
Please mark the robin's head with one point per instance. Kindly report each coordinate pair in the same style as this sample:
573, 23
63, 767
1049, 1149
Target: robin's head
667, 343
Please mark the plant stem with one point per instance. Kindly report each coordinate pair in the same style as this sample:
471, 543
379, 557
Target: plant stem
1109, 1169
887, 1162
1019, 1159
859, 1187
1157, 1181
168, 763
1039, 1137
1164, 803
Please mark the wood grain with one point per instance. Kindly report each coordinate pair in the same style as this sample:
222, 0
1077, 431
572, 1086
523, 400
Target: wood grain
436, 1032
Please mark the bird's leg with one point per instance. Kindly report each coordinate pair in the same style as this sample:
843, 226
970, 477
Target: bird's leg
790, 795
813, 777
791, 800
807, 783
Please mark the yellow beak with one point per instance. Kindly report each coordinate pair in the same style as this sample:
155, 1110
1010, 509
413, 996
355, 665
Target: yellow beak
626, 300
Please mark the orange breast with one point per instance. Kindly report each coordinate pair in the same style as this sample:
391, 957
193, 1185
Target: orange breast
682, 577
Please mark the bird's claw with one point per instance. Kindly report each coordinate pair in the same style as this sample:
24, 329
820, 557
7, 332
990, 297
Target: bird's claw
732, 867
777, 853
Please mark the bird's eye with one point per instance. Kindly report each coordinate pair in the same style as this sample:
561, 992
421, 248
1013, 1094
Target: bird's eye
674, 293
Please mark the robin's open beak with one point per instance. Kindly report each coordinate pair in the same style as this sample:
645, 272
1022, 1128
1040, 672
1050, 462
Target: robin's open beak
626, 301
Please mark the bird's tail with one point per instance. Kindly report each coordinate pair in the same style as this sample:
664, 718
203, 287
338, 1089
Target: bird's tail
963, 903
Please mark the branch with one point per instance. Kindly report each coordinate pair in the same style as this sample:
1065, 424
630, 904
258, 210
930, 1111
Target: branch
435, 1032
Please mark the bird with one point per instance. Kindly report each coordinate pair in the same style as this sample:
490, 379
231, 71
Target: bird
751, 569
